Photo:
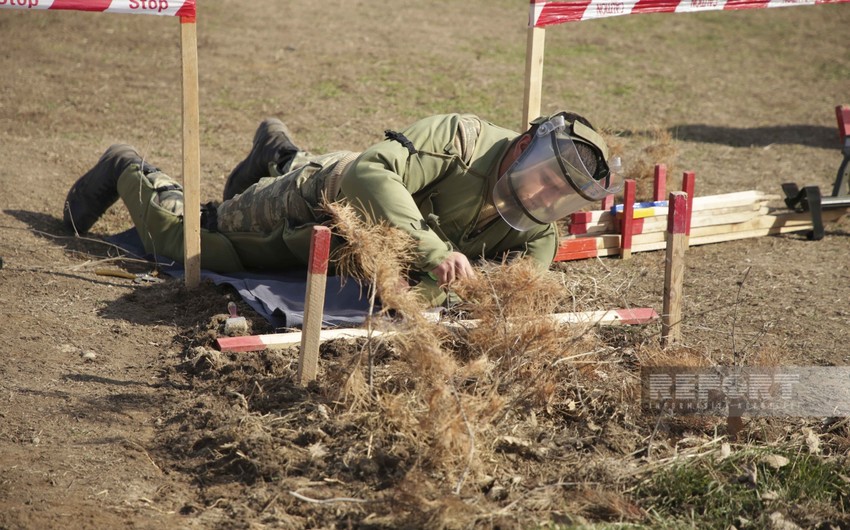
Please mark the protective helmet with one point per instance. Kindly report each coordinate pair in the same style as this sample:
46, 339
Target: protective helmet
550, 179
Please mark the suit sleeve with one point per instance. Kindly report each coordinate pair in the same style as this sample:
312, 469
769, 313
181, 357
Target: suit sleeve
542, 248
383, 179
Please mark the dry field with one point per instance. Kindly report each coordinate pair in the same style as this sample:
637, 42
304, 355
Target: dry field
458, 430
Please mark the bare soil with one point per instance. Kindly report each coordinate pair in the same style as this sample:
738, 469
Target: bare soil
114, 411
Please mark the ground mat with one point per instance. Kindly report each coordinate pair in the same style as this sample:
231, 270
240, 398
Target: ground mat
278, 297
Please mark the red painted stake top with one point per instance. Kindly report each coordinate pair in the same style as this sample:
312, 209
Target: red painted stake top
659, 185
688, 184
628, 214
842, 114
320, 249
677, 213
581, 217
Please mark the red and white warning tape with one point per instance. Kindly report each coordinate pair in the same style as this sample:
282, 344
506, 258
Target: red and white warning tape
174, 8
548, 13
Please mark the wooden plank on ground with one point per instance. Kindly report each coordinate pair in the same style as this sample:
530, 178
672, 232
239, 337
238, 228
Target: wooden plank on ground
285, 340
612, 317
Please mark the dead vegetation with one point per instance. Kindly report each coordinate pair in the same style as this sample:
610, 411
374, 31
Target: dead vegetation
236, 445
509, 423
655, 146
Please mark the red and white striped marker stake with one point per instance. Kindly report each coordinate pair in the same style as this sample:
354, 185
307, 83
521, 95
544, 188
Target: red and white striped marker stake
674, 268
314, 304
626, 226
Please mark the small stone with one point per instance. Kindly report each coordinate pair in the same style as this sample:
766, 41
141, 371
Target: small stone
812, 441
88, 356
779, 522
497, 493
775, 461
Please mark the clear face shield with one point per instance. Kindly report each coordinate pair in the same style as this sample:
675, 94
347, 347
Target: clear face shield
549, 180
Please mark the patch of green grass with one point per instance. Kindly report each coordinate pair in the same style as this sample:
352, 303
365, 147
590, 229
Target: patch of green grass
327, 89
570, 50
682, 524
833, 71
723, 492
620, 90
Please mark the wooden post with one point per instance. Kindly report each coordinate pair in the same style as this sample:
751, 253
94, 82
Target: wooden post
533, 75
314, 304
659, 183
191, 154
608, 202
626, 226
674, 268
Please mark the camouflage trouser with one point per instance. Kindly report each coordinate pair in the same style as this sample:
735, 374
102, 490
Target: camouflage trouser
155, 203
295, 197
266, 227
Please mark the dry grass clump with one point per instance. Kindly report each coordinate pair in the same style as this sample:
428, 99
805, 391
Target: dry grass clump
413, 392
662, 149
651, 356
448, 386
514, 335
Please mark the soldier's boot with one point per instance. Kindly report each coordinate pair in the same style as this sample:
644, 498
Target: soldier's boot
273, 145
97, 190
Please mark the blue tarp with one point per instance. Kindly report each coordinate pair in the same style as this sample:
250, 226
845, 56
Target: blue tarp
278, 297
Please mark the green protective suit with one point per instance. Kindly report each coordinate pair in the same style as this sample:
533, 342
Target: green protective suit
438, 194
434, 181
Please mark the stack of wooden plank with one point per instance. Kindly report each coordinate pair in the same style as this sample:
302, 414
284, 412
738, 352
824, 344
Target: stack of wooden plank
714, 218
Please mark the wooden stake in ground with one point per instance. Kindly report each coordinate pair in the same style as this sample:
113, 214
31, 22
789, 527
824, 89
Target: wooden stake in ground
688, 184
674, 270
533, 75
659, 183
626, 228
191, 153
314, 304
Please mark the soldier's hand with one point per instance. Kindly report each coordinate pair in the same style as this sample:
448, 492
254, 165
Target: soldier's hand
455, 267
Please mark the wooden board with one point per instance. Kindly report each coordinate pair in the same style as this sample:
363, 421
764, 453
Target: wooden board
612, 317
